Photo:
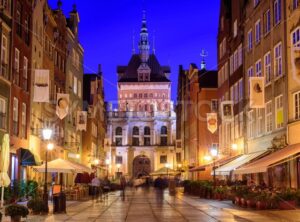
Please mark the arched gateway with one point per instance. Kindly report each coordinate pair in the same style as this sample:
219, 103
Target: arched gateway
141, 166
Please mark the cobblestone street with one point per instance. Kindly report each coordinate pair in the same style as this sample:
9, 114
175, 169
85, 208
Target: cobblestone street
149, 205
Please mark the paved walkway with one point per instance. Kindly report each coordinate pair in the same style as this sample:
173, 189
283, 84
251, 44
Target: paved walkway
147, 205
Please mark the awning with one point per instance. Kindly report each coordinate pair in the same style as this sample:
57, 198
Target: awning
238, 162
60, 166
270, 160
27, 158
218, 163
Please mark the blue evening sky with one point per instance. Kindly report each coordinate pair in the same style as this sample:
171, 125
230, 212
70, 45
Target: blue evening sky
182, 29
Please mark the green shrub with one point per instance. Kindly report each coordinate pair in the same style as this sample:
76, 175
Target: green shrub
16, 210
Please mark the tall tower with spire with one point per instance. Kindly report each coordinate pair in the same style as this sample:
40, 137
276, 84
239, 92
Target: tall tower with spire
144, 46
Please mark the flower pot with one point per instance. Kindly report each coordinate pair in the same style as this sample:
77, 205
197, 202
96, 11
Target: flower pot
16, 218
261, 205
251, 203
237, 200
287, 205
243, 202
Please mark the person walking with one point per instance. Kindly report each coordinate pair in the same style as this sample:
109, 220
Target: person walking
95, 188
123, 186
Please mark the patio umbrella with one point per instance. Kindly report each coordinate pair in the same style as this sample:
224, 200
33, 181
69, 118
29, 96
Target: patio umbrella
57, 166
164, 171
4, 164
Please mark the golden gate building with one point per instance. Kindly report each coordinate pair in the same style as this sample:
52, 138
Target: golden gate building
141, 131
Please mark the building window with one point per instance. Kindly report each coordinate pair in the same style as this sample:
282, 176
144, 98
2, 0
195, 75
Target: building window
241, 123
163, 136
257, 31
279, 111
240, 55
25, 73
147, 136
260, 120
278, 60
17, 66
295, 4
75, 84
178, 157
135, 136
236, 127
119, 159
214, 105
18, 19
250, 45
269, 122
15, 116
4, 55
118, 136
255, 2
235, 28
163, 159
79, 89
235, 60
297, 105
258, 68
250, 74
23, 119
277, 11
251, 129
231, 64
267, 67
267, 20
2, 113
241, 89
94, 130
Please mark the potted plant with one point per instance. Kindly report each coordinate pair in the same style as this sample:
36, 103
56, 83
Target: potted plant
16, 212
261, 201
250, 200
287, 199
37, 206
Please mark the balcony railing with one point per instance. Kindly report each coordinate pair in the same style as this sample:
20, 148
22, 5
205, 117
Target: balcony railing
15, 128
2, 120
131, 114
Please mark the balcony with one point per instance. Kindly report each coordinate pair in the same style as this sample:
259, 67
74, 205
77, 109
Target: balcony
15, 128
132, 114
3, 121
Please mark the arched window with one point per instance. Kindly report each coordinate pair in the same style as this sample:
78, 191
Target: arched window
163, 136
147, 136
118, 136
135, 136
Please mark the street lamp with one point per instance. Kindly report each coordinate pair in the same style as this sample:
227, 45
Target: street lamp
77, 156
214, 154
47, 133
234, 146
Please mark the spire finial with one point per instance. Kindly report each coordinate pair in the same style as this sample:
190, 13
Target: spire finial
203, 55
154, 49
133, 41
144, 46
59, 4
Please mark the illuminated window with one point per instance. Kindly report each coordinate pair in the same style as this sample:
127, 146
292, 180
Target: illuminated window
297, 105
250, 44
279, 111
267, 20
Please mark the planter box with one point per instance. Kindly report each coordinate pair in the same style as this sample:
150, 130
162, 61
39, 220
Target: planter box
287, 205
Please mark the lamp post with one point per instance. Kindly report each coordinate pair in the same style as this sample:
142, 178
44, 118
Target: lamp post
167, 165
107, 165
214, 154
47, 133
